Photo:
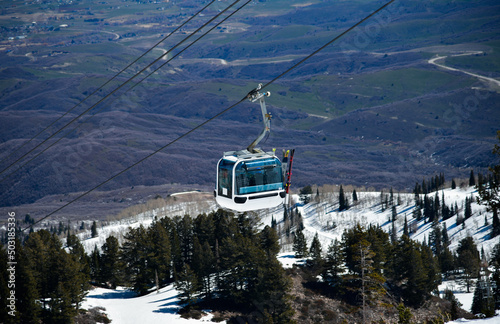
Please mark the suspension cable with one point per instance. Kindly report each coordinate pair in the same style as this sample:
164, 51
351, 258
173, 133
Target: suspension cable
212, 118
123, 84
100, 87
147, 76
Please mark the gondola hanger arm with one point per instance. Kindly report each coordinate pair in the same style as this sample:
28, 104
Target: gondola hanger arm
253, 96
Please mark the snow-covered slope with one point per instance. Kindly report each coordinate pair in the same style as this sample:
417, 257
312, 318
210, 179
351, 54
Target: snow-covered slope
319, 217
324, 218
123, 308
199, 204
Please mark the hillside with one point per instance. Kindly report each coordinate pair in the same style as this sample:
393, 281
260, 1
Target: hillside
324, 218
371, 108
320, 217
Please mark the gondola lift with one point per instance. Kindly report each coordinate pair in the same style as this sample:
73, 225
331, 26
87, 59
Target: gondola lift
252, 179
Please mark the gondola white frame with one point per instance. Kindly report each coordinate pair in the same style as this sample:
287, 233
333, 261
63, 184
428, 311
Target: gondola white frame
229, 198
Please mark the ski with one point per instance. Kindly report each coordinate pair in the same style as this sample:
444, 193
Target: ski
289, 170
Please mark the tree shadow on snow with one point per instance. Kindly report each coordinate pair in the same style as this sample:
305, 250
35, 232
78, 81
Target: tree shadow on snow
115, 295
287, 256
162, 300
168, 308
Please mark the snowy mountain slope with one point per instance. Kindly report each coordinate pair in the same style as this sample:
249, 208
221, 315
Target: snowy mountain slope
118, 228
123, 308
318, 217
324, 218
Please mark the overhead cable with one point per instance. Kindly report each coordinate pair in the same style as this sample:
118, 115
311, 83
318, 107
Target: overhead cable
102, 86
166, 62
214, 117
111, 93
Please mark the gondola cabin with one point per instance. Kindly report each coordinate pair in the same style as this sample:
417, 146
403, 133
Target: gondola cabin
249, 181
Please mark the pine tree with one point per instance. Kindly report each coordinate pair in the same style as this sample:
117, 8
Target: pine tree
468, 259
315, 252
447, 261
455, 304
425, 188
93, 229
417, 190
417, 213
495, 263
382, 200
380, 245
495, 230
300, 244
42, 247
81, 278
468, 208
354, 196
187, 285
28, 309
61, 277
197, 264
240, 268
472, 179
95, 265
160, 254
208, 267
177, 262
453, 184
185, 231
428, 210
60, 228
483, 301
342, 200
204, 229
271, 291
409, 271
60, 307
405, 228
273, 294
68, 288
394, 214
269, 241
394, 234
334, 265
134, 254
110, 262
431, 268
436, 240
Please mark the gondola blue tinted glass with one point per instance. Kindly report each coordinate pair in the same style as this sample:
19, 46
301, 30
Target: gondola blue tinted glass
258, 176
225, 180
